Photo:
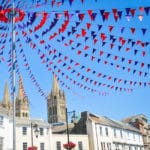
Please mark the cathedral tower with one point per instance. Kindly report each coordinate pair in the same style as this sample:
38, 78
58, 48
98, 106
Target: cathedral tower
56, 104
6, 99
22, 102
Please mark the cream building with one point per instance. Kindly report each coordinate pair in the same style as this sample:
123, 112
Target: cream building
107, 134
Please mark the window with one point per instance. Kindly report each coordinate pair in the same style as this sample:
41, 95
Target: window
25, 146
106, 130
1, 143
108, 146
115, 133
1, 120
58, 145
100, 130
80, 145
102, 145
24, 130
121, 135
42, 146
41, 131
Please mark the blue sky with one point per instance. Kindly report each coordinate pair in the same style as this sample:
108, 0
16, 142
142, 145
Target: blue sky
115, 104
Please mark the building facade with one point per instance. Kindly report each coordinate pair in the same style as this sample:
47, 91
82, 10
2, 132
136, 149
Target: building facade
80, 141
6, 133
107, 134
140, 122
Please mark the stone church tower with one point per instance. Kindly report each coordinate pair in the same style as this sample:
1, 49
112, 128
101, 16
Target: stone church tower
22, 102
56, 104
6, 99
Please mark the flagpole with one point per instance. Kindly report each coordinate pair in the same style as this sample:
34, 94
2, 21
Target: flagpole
13, 75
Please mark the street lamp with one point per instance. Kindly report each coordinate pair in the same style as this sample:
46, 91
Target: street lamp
36, 131
70, 145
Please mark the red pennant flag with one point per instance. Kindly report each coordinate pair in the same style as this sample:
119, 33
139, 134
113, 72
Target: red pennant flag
77, 35
133, 30
143, 53
129, 61
90, 12
81, 16
123, 42
42, 42
143, 45
116, 18
109, 78
101, 53
65, 58
138, 42
111, 45
79, 52
142, 65
140, 73
86, 47
88, 25
119, 80
66, 14
83, 32
127, 49
129, 69
115, 57
68, 68
71, 41
105, 62
114, 12
141, 9
110, 28
106, 15
77, 64
86, 79
95, 41
103, 36
92, 58
99, 75
132, 12
88, 70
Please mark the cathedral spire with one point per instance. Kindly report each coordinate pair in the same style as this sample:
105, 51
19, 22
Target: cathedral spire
21, 93
6, 99
55, 87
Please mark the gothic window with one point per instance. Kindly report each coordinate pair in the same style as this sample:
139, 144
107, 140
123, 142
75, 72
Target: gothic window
50, 111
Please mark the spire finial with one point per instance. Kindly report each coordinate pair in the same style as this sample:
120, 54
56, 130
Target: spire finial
55, 87
6, 98
21, 93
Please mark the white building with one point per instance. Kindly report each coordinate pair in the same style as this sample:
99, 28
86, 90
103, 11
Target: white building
26, 136
25, 133
107, 134
5, 131
80, 141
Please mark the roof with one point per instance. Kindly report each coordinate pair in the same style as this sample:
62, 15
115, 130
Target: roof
61, 128
133, 118
27, 121
113, 123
